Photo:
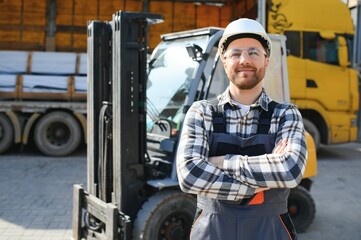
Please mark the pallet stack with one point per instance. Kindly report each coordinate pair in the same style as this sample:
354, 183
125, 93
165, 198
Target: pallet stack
61, 25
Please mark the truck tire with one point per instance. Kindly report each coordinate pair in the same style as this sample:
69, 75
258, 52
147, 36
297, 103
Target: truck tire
57, 134
312, 129
301, 208
166, 215
6, 133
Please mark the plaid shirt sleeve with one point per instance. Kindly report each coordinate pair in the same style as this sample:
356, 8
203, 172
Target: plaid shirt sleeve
275, 170
195, 174
242, 176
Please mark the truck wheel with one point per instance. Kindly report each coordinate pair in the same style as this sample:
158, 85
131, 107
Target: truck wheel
57, 134
301, 208
312, 129
6, 133
166, 215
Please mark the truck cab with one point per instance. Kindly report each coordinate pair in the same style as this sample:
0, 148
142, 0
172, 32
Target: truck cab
320, 47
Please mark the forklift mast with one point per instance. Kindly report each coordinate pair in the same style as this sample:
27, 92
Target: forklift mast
117, 58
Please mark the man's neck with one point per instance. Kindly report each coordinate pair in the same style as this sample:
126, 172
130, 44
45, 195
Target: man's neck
246, 97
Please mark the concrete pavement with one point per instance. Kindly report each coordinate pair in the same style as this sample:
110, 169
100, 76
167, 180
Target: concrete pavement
36, 194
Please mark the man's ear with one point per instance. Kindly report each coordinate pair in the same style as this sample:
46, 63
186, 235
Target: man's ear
267, 62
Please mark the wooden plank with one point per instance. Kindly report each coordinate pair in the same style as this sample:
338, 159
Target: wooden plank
80, 41
225, 15
84, 11
20, 46
10, 17
18, 27
34, 37
63, 39
35, 6
245, 9
34, 12
203, 13
34, 18
65, 12
132, 5
184, 17
109, 7
10, 11
9, 36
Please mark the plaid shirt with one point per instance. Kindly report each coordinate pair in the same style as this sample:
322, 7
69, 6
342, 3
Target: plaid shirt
242, 176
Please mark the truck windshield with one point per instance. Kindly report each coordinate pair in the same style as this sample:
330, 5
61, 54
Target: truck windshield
170, 73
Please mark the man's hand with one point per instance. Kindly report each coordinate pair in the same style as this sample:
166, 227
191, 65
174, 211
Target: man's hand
217, 161
280, 147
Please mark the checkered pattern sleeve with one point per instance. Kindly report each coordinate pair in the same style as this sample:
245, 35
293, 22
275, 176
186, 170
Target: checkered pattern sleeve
195, 174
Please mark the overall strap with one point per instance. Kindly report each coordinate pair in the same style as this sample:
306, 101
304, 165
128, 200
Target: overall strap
218, 119
265, 118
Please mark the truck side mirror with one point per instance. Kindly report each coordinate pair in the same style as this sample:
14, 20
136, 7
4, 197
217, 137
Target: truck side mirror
342, 52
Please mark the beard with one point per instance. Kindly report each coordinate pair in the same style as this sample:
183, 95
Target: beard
247, 80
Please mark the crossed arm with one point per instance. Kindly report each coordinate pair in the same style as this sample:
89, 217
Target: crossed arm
279, 149
234, 177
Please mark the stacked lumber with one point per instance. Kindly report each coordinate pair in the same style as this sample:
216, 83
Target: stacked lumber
61, 25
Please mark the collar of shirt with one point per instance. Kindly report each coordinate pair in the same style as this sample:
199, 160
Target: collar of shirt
262, 101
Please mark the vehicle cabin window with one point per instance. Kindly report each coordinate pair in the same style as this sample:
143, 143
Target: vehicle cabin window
350, 46
207, 74
219, 81
319, 49
293, 43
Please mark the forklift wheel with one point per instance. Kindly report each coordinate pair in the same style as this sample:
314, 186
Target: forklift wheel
301, 208
166, 215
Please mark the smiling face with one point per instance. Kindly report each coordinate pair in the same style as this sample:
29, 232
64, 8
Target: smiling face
245, 63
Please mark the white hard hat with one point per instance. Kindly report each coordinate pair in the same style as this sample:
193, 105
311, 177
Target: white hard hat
244, 28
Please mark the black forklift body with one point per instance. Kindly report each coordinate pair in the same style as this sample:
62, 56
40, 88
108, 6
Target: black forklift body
117, 55
133, 192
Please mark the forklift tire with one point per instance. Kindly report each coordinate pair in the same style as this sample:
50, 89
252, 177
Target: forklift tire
166, 215
57, 134
301, 208
6, 133
312, 129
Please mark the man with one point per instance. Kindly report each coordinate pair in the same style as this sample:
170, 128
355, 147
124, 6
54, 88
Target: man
243, 153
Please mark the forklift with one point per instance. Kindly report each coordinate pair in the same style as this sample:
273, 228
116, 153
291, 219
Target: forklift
135, 108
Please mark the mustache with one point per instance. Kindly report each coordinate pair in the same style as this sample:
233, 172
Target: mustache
246, 68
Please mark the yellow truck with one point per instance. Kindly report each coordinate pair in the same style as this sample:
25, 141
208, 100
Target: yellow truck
320, 49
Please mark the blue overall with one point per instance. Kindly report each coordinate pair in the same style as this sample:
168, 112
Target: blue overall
263, 216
